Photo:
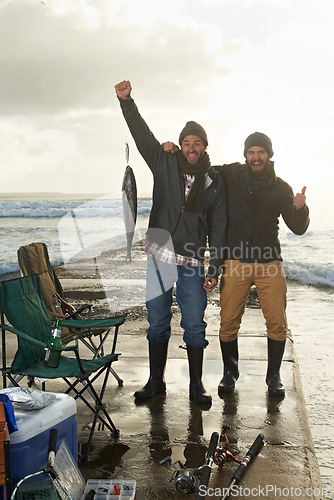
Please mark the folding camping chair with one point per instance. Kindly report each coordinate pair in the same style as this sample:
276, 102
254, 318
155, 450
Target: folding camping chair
22, 304
34, 259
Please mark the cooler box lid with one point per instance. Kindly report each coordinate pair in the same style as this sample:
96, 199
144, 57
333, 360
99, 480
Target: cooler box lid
32, 423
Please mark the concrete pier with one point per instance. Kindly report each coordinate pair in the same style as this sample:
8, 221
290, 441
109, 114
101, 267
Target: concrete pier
171, 425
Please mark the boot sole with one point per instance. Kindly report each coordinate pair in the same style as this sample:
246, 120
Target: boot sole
275, 392
206, 401
148, 395
226, 390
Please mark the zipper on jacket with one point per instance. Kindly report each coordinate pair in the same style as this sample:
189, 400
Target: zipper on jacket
179, 217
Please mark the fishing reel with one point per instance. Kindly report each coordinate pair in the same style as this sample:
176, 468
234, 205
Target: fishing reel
223, 455
184, 478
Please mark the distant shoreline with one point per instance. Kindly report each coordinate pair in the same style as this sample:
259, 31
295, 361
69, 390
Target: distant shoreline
65, 196
16, 274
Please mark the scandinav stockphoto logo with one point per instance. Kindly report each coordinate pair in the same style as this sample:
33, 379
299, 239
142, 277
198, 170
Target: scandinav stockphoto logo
96, 241
95, 244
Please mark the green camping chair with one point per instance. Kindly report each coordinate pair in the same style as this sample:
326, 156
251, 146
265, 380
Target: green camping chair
34, 259
22, 304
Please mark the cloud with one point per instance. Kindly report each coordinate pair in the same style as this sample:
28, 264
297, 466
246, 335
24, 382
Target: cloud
234, 66
69, 57
35, 156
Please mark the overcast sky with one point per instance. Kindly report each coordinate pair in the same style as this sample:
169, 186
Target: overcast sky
235, 66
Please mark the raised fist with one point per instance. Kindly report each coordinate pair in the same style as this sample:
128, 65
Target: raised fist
123, 89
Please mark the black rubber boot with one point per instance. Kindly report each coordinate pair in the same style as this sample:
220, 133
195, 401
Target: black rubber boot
275, 355
156, 382
197, 390
230, 359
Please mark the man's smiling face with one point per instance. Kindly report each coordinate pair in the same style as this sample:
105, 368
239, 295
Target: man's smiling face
258, 160
192, 148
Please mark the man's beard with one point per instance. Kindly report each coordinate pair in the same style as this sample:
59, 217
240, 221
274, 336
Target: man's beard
264, 173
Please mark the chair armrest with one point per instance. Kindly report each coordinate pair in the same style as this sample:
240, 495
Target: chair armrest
68, 309
32, 339
79, 310
69, 348
93, 323
22, 334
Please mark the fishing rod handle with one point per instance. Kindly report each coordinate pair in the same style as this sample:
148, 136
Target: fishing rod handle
53, 440
206, 470
212, 445
52, 446
204, 481
253, 450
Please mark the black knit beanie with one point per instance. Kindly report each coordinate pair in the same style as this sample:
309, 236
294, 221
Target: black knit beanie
193, 128
261, 140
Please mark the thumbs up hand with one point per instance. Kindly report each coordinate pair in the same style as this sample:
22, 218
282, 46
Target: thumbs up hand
299, 200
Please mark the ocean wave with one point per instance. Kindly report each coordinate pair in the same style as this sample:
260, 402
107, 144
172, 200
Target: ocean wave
306, 258
8, 267
311, 274
57, 209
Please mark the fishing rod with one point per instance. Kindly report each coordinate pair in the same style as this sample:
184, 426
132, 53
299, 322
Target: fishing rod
185, 479
220, 457
206, 470
253, 450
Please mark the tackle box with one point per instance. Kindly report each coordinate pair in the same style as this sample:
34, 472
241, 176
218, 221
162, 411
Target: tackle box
109, 489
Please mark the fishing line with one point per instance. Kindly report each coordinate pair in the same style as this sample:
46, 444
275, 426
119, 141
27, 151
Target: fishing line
158, 274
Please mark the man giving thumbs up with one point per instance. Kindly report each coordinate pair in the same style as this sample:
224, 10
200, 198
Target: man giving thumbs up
299, 200
256, 199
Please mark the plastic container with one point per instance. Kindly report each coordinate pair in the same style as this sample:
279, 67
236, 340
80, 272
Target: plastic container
68, 472
29, 444
110, 489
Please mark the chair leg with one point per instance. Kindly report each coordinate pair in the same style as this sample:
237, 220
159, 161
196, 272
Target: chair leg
99, 406
99, 351
14, 379
99, 409
119, 380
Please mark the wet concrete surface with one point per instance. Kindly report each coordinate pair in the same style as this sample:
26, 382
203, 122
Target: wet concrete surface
171, 425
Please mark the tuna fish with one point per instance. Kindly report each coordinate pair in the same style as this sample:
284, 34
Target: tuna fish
129, 199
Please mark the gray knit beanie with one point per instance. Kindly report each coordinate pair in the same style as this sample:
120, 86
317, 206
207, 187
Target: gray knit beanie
193, 128
259, 139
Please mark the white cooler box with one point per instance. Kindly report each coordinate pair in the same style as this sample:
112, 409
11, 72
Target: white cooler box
29, 444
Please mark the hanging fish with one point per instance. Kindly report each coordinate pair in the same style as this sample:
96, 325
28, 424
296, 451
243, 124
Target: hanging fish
129, 200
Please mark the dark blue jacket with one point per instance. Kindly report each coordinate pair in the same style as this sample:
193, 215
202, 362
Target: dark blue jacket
190, 231
253, 217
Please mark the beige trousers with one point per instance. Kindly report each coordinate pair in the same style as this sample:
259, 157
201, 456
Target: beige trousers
270, 282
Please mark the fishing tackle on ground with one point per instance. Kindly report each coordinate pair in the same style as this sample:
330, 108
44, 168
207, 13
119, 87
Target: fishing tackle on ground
186, 479
206, 469
223, 454
251, 453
